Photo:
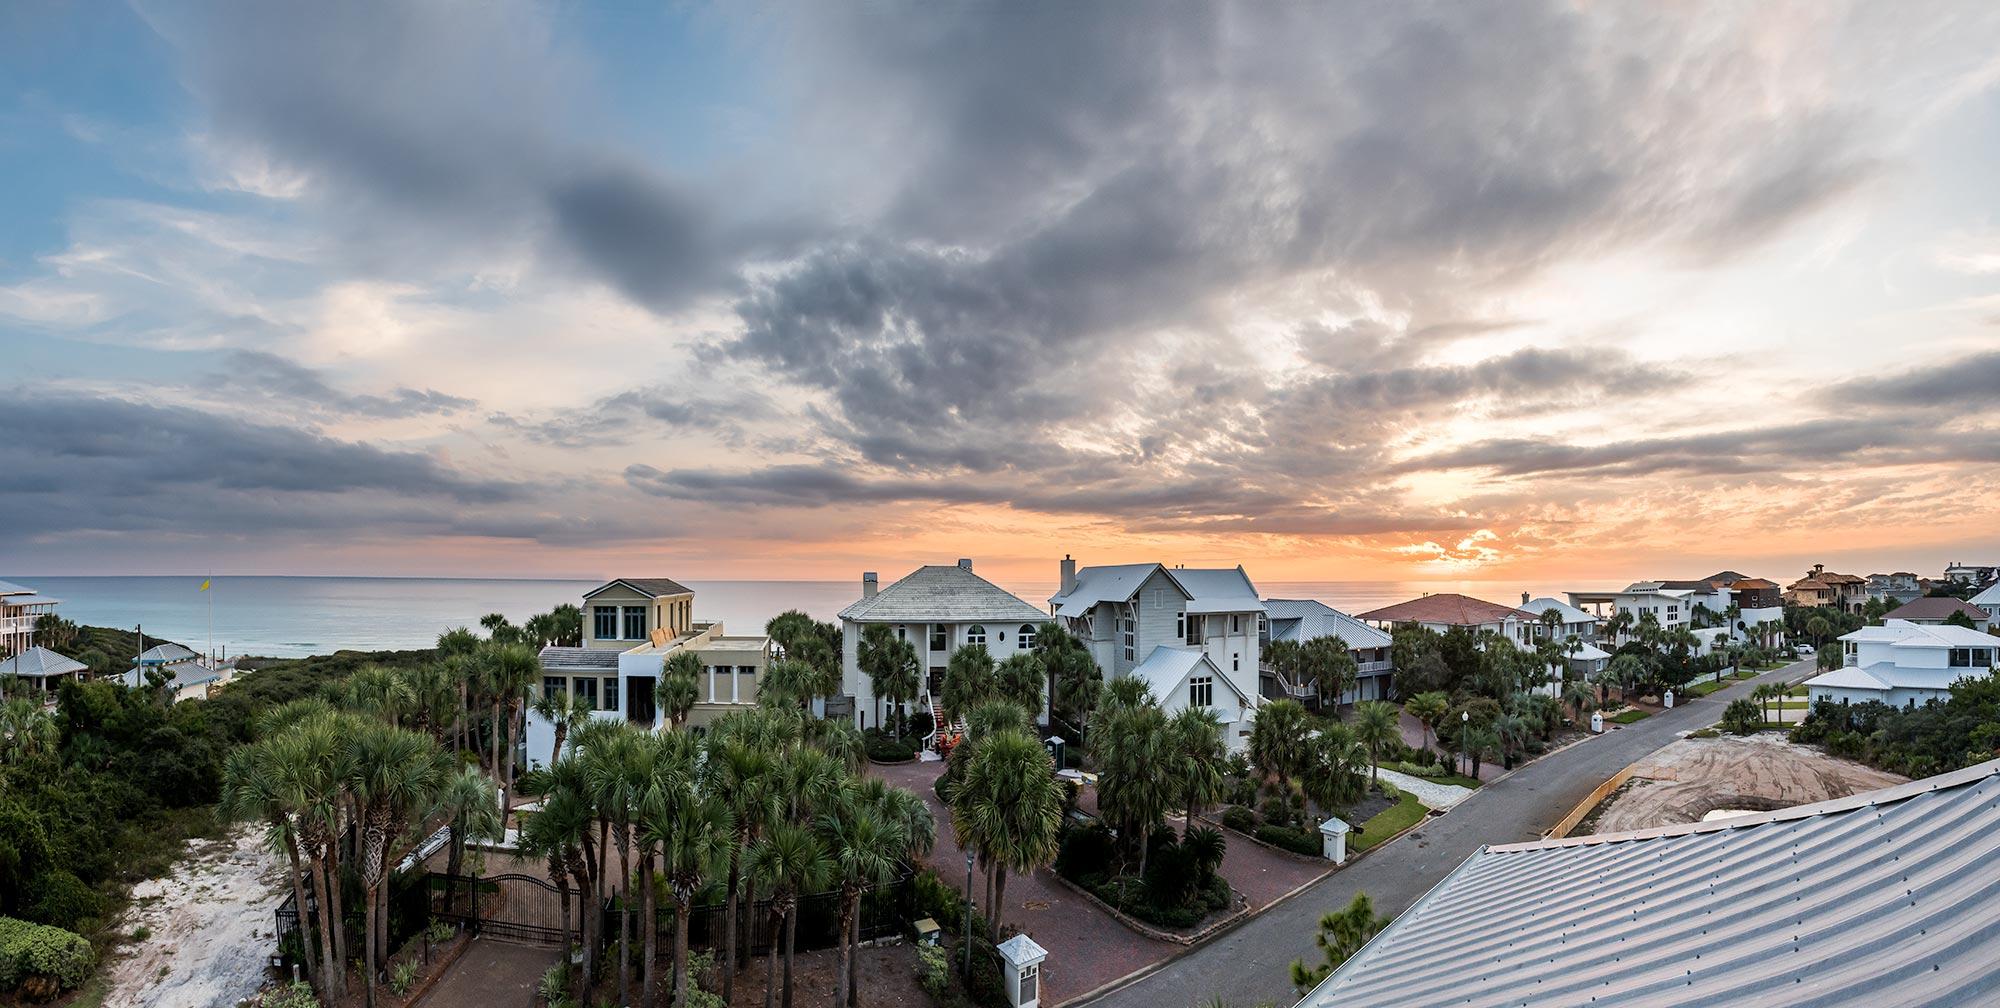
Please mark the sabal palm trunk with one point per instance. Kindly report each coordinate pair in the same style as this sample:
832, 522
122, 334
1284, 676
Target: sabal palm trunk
999, 896
649, 930
729, 964
507, 777
683, 905
771, 960
493, 766
844, 952
624, 920
791, 944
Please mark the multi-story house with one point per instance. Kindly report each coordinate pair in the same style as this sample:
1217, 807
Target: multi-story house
1304, 620
1899, 587
1445, 610
1971, 574
20, 608
631, 627
938, 608
1988, 602
1935, 610
1904, 664
1822, 587
1131, 616
1576, 630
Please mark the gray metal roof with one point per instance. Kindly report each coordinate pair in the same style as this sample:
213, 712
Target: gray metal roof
650, 587
1885, 898
1310, 619
943, 593
566, 660
1111, 583
166, 654
40, 663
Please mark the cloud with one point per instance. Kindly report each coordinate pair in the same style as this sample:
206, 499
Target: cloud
1966, 382
286, 383
634, 414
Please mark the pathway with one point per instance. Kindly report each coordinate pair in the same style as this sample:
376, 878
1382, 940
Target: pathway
492, 973
1249, 964
1434, 794
211, 924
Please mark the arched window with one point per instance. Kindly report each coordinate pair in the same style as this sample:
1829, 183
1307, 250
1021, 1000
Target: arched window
975, 634
1025, 639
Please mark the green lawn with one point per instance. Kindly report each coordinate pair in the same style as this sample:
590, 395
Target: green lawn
1631, 716
1387, 823
1753, 671
1707, 687
1452, 778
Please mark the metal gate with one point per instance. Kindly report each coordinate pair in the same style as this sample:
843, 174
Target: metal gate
519, 908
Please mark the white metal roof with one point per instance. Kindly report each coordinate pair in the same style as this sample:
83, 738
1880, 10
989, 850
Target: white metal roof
40, 663
1309, 619
1989, 597
943, 593
1217, 590
1905, 634
1884, 898
1849, 677
1570, 613
1112, 583
166, 654
1168, 667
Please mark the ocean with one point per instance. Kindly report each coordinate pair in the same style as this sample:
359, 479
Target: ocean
292, 616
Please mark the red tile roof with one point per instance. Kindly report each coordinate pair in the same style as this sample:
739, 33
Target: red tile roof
1447, 608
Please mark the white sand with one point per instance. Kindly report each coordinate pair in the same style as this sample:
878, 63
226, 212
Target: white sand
211, 921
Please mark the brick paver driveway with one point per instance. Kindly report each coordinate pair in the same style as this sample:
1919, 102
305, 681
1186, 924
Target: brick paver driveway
1087, 947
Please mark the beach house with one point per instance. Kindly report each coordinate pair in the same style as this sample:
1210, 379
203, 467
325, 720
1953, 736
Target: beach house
20, 609
1445, 610
631, 628
1822, 587
1988, 602
42, 668
1902, 664
1575, 629
1304, 620
1125, 612
188, 676
938, 608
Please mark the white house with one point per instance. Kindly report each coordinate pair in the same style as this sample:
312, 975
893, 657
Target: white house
631, 626
1124, 612
938, 608
1180, 677
20, 609
1988, 602
1303, 620
42, 668
1582, 658
1760, 608
1902, 664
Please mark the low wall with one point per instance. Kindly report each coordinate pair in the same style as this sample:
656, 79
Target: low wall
1583, 809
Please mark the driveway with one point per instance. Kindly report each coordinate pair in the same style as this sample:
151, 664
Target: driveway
492, 974
1249, 964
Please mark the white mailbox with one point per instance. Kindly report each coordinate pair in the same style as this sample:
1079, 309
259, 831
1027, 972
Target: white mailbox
1596, 723
1668, 700
1021, 960
1333, 840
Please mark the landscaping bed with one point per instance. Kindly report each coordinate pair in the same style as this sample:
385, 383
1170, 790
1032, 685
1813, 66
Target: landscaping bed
1406, 812
1180, 889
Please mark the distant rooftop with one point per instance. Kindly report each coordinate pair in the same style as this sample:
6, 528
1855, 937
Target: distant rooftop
943, 593
1937, 608
649, 587
1446, 608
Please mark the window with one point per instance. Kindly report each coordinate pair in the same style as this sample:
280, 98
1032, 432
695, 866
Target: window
610, 693
635, 622
1961, 657
1030, 980
1024, 638
586, 687
1201, 691
604, 622
1194, 630
975, 634
552, 685
938, 642
1235, 624
900, 635
1235, 662
1180, 625
746, 684
1127, 632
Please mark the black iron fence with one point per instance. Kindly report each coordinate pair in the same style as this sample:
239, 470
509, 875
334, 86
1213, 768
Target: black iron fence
519, 908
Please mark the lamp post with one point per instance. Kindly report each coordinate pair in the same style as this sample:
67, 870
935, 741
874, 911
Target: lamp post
968, 916
1464, 754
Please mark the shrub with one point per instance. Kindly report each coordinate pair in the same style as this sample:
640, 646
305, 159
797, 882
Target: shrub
298, 995
403, 977
1085, 851
883, 747
1240, 819
64, 900
555, 983
937, 900
1705, 733
29, 951
1290, 838
439, 931
934, 970
1742, 717
1419, 769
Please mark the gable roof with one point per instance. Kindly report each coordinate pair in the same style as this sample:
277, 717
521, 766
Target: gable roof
1112, 583
1727, 577
1310, 619
1937, 608
1217, 590
1991, 596
1746, 583
1447, 608
1570, 613
1866, 899
942, 593
649, 587
1168, 666
1900, 633
40, 663
166, 654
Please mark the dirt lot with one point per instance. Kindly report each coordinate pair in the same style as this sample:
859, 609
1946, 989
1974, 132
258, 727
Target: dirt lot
1687, 779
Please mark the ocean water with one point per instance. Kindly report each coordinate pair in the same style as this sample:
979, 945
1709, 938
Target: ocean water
293, 616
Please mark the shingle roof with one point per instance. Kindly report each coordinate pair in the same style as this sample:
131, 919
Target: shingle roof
1309, 619
565, 660
39, 663
1112, 583
1447, 608
1883, 898
942, 593
649, 587
1724, 577
1936, 608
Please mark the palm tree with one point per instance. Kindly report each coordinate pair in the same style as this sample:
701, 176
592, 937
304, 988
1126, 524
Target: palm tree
433, 698
1512, 731
679, 686
995, 716
465, 803
1428, 708
1135, 786
563, 710
312, 763
569, 824
866, 851
1284, 658
790, 860
515, 670
693, 832
1819, 627
1332, 779
1626, 670
968, 680
253, 791
1019, 681
1008, 807
397, 775
1375, 726
1578, 697
1197, 755
742, 773
1278, 740
1478, 741
1328, 663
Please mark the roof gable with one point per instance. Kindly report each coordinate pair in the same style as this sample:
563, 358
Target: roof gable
649, 587
1310, 619
1110, 583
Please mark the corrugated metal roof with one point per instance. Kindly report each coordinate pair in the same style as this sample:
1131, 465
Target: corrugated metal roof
1112, 583
166, 654
1168, 667
1218, 590
1884, 898
1308, 619
943, 593
39, 663
1570, 613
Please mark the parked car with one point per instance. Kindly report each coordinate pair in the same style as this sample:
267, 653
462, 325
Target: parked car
1805, 649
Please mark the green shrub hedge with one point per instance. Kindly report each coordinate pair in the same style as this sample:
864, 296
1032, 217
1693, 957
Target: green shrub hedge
1298, 841
883, 747
30, 950
1240, 819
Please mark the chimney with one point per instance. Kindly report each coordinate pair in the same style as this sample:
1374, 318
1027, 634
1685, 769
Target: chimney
1524, 598
1068, 575
869, 584
965, 563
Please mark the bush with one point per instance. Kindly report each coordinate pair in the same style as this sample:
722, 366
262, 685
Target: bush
1290, 838
1742, 717
298, 995
65, 901
30, 950
1705, 733
883, 747
403, 977
1240, 819
937, 900
1419, 769
555, 983
1085, 851
934, 970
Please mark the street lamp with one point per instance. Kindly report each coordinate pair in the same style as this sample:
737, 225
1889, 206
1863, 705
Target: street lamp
1464, 754
968, 916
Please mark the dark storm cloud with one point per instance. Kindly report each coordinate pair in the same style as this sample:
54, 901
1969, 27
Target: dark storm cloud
287, 383
1972, 381
89, 465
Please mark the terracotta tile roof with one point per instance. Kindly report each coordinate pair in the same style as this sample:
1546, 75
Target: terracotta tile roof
1808, 585
1447, 608
1753, 583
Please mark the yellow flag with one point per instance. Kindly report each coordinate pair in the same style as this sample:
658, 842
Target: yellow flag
204, 584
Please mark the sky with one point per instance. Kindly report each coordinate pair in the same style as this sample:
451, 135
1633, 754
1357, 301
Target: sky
1586, 290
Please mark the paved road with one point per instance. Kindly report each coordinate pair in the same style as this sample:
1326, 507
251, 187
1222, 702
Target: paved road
1249, 965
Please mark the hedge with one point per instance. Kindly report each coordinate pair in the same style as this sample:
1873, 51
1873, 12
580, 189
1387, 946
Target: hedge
31, 950
1297, 841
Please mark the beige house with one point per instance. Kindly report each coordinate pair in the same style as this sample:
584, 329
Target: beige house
631, 628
